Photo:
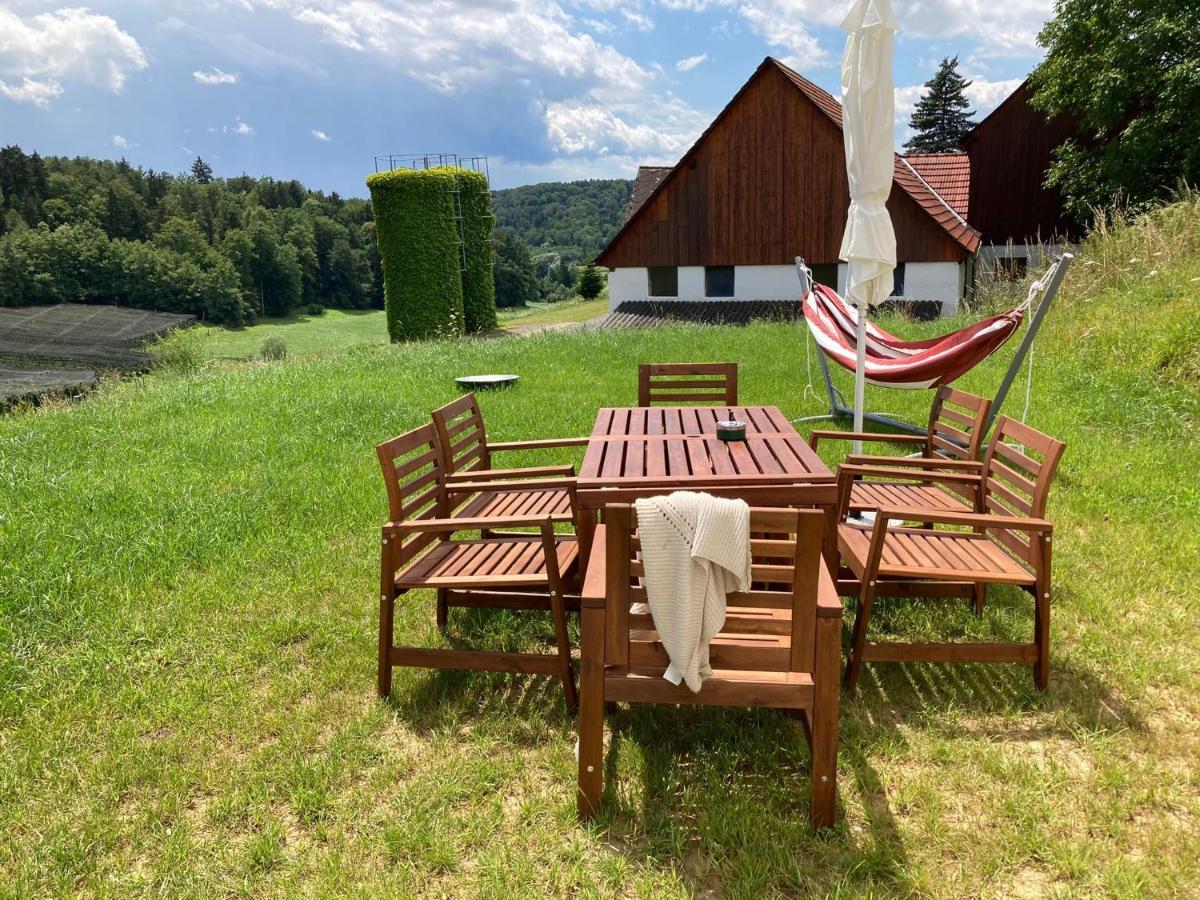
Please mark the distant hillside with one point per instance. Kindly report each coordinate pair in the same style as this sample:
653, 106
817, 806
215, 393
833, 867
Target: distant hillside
575, 219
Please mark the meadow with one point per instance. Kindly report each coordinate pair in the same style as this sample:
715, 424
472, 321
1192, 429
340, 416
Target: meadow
188, 584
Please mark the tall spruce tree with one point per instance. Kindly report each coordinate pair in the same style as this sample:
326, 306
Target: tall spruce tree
202, 171
943, 114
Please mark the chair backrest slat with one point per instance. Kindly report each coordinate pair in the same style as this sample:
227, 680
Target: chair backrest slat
413, 476
786, 558
1017, 473
711, 383
956, 422
462, 436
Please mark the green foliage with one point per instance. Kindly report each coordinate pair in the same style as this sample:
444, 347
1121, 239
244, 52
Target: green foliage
289, 246
274, 348
574, 220
1129, 72
418, 243
516, 284
79, 264
591, 283
202, 171
478, 285
179, 351
942, 117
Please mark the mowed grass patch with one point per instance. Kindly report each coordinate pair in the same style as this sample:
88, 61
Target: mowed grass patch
188, 603
332, 331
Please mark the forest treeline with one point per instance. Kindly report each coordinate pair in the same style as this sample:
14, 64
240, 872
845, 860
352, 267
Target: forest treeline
85, 230
226, 249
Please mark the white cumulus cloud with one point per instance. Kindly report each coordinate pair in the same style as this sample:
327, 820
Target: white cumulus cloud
39, 93
690, 62
238, 127
213, 75
118, 141
64, 45
320, 135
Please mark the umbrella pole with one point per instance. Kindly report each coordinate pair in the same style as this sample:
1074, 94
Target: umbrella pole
860, 376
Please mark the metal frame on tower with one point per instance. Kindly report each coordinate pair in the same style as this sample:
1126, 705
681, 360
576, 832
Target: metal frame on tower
387, 161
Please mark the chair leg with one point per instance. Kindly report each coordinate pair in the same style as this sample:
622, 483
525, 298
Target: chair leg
387, 610
858, 638
558, 608
824, 731
979, 595
1041, 634
443, 610
591, 713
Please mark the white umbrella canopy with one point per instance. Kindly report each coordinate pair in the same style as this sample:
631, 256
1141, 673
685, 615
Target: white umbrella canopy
868, 122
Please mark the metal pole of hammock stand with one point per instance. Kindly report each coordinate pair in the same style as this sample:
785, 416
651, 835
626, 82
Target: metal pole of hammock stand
1035, 323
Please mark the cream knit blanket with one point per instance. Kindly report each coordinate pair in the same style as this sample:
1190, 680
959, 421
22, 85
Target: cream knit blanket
695, 550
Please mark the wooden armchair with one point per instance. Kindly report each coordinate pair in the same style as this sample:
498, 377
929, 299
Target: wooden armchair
780, 646
516, 571
675, 383
1008, 543
952, 443
466, 457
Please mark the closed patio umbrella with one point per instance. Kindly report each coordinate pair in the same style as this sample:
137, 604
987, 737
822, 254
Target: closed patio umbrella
869, 243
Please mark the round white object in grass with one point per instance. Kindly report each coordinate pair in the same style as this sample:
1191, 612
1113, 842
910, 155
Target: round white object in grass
486, 382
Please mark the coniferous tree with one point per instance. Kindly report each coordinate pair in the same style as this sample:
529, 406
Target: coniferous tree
591, 283
942, 117
202, 171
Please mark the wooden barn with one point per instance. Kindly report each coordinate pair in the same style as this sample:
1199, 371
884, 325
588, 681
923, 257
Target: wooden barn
765, 183
1009, 153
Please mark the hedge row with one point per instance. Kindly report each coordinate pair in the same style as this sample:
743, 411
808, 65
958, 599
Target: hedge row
479, 285
426, 291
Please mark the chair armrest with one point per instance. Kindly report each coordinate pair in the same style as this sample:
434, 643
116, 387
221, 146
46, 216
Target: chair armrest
914, 462
467, 523
595, 579
829, 604
501, 474
539, 445
524, 486
977, 520
863, 436
846, 471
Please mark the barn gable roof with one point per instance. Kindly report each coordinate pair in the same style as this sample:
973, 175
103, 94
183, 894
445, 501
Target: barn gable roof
949, 174
905, 176
648, 178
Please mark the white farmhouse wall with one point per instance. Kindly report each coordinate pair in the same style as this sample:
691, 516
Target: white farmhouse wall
766, 283
940, 281
627, 284
691, 282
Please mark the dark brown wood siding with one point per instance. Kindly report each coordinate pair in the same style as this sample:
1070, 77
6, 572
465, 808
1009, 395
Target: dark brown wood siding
1010, 152
766, 184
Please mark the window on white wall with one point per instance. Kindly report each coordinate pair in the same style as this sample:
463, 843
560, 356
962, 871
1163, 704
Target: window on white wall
663, 281
718, 281
826, 274
898, 280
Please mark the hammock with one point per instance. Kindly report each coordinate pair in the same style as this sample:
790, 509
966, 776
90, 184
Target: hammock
894, 363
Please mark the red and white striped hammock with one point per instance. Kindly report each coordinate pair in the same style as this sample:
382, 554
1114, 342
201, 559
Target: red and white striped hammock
894, 363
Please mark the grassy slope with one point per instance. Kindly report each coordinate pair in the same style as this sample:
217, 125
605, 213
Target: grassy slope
187, 614
566, 312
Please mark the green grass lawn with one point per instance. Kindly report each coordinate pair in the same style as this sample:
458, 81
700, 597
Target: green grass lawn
333, 330
336, 329
188, 603
568, 311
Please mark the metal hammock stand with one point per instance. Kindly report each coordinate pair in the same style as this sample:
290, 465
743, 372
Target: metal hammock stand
1048, 285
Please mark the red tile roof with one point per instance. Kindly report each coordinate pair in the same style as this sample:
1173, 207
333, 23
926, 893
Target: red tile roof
947, 173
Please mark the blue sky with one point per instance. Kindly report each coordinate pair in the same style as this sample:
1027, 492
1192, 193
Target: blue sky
547, 89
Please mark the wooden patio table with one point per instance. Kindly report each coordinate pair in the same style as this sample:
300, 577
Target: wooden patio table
646, 451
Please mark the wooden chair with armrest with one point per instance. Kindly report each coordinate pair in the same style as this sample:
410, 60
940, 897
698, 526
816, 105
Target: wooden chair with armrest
675, 383
521, 571
780, 645
953, 442
466, 455
1008, 543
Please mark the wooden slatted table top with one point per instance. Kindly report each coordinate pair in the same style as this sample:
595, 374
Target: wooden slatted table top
677, 446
